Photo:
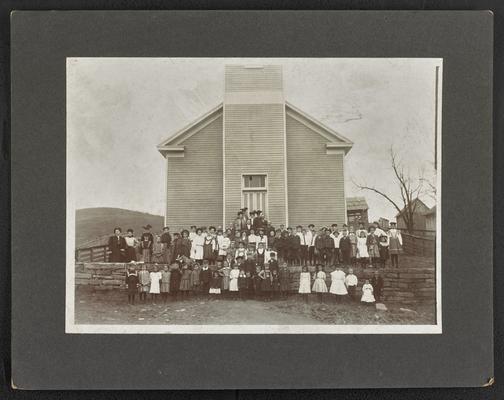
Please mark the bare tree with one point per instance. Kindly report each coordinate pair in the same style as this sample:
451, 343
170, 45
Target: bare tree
410, 189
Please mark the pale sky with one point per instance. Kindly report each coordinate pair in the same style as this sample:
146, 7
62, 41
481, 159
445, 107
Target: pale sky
119, 109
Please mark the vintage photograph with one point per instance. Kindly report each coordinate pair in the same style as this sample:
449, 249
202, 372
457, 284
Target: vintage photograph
254, 195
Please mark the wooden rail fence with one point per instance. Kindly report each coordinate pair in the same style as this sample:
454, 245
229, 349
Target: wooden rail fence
92, 254
419, 245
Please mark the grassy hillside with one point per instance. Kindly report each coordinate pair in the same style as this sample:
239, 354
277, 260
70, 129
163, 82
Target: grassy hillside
94, 225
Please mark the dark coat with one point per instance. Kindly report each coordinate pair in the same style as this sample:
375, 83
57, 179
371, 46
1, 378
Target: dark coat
117, 246
205, 276
294, 242
345, 244
166, 238
132, 282
175, 278
377, 284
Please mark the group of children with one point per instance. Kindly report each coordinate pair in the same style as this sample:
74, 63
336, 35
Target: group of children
244, 280
254, 236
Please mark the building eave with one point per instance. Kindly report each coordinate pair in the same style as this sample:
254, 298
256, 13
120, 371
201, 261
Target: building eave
336, 140
193, 127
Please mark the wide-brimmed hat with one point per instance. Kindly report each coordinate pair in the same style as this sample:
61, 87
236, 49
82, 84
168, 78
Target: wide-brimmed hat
148, 226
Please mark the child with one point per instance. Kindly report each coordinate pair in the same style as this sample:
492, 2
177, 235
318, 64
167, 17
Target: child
266, 283
294, 243
165, 283
144, 280
241, 251
262, 238
372, 244
303, 249
260, 253
223, 243
155, 277
215, 283
205, 277
175, 280
351, 284
384, 249
275, 283
132, 283
304, 283
185, 282
377, 283
257, 280
395, 244
367, 293
271, 240
362, 249
131, 245
272, 261
319, 285
252, 240
195, 278
225, 271
192, 234
197, 246
243, 284
353, 243
234, 274
209, 246
338, 287
284, 277
185, 245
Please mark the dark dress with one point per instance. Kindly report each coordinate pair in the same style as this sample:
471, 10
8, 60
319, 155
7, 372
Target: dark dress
260, 257
117, 247
266, 285
345, 249
377, 283
175, 280
284, 277
132, 283
205, 277
208, 253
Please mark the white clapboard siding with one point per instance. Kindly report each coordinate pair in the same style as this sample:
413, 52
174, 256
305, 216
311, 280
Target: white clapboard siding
254, 144
315, 180
194, 192
239, 78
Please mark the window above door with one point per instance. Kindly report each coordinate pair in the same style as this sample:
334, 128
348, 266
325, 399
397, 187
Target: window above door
254, 182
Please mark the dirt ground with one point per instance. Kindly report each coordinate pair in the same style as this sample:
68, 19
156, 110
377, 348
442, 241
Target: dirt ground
111, 307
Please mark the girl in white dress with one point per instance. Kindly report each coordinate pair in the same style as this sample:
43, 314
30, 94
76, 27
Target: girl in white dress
305, 283
155, 277
338, 286
233, 281
362, 249
197, 246
367, 293
319, 285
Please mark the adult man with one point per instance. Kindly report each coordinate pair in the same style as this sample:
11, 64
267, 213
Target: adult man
117, 246
310, 241
166, 241
335, 251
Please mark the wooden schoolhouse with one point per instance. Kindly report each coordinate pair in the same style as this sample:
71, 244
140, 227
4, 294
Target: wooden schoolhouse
255, 150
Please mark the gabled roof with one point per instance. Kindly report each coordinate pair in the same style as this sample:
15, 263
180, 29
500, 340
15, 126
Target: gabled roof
174, 143
356, 203
417, 209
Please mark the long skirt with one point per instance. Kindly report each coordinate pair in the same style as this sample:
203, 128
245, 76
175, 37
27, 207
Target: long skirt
146, 255
130, 254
